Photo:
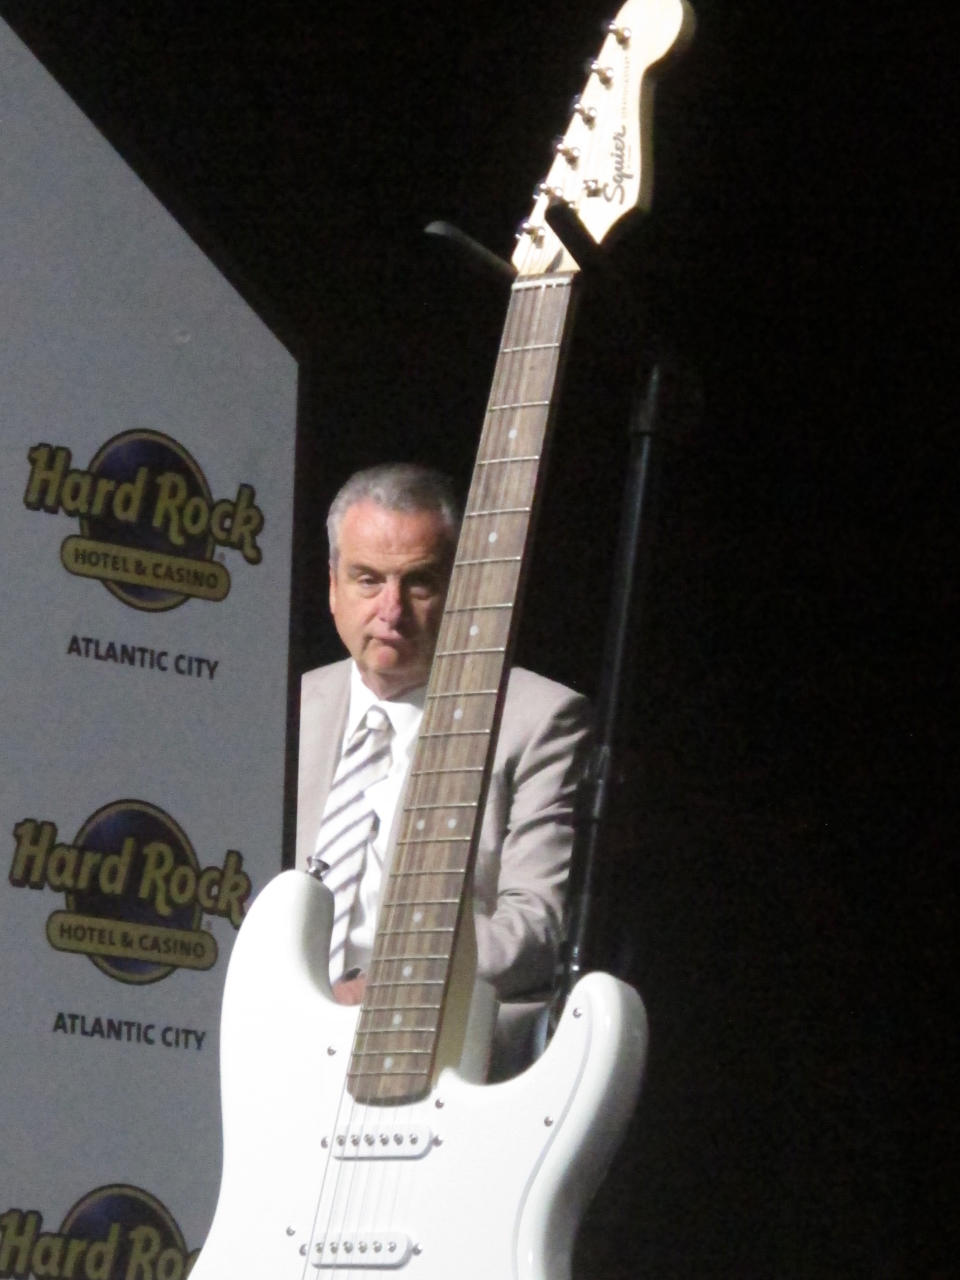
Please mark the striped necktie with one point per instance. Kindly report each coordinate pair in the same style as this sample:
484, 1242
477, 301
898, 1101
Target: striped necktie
350, 823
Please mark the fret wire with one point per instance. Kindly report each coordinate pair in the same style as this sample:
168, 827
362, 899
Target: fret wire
440, 928
430, 840
433, 1030
457, 732
475, 608
408, 982
457, 653
414, 1072
421, 902
386, 1031
517, 457
425, 958
397, 1009
401, 1053
391, 1031
533, 346
496, 511
465, 693
429, 871
431, 960
489, 560
452, 804
454, 733
467, 768
518, 404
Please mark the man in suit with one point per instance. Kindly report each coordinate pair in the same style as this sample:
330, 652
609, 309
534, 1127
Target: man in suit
392, 532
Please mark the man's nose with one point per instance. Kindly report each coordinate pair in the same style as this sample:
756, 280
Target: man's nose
391, 602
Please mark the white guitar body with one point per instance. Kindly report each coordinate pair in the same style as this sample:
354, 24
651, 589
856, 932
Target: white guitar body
475, 1182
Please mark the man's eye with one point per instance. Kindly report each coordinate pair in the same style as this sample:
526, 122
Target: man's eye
423, 588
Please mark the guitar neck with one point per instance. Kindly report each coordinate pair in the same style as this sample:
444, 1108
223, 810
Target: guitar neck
601, 169
423, 899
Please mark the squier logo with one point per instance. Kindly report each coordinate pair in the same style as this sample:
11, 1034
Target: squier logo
149, 526
135, 893
615, 192
117, 1232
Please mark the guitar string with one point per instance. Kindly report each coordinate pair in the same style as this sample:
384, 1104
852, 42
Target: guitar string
390, 1189
382, 1198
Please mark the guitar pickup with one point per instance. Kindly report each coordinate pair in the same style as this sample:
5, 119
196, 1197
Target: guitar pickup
374, 1250
408, 1143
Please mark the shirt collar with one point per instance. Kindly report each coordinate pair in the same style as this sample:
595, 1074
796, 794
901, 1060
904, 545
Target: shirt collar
404, 712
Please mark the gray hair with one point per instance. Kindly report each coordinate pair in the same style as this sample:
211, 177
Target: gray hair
397, 486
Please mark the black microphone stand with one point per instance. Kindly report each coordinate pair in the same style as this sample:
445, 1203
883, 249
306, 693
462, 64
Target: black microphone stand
645, 436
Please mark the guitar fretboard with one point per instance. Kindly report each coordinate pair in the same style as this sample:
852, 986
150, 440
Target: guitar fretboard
395, 1046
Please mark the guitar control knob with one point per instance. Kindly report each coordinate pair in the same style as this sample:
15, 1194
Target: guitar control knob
570, 154
622, 35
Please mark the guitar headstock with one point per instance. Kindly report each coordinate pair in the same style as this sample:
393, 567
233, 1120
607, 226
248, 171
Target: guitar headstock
603, 165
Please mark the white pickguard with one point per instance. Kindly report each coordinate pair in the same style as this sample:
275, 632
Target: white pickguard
473, 1183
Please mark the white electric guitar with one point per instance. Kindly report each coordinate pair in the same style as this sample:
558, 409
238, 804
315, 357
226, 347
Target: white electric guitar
354, 1142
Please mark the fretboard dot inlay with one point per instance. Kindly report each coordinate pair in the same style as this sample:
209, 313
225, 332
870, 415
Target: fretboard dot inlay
458, 714
512, 433
397, 1019
387, 1064
421, 823
407, 970
451, 823
417, 917
474, 630
492, 537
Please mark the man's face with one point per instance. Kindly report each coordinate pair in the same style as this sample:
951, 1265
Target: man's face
387, 590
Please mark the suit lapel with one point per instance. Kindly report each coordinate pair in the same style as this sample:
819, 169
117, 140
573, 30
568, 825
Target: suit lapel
324, 701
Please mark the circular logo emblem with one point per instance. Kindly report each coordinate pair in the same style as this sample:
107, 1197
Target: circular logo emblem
127, 1232
146, 884
128, 464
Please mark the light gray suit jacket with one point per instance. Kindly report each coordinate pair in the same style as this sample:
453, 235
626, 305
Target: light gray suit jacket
527, 832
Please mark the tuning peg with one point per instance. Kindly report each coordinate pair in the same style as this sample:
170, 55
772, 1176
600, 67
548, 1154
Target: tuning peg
603, 74
531, 229
587, 114
570, 154
622, 35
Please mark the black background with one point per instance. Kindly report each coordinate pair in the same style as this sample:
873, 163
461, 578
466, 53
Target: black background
783, 890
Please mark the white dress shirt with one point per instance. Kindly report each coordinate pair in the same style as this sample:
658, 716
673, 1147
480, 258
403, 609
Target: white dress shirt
405, 714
